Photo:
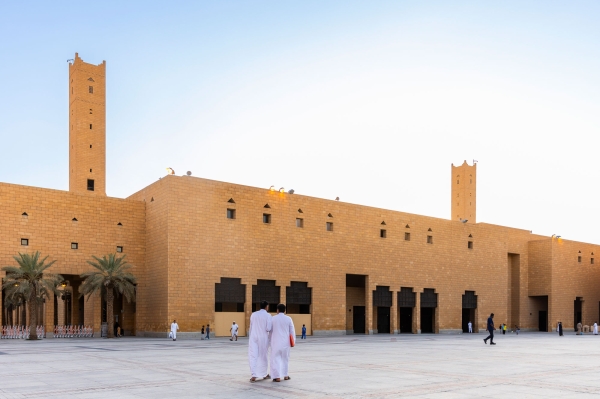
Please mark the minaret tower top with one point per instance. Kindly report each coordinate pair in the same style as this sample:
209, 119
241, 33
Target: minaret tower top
87, 127
464, 192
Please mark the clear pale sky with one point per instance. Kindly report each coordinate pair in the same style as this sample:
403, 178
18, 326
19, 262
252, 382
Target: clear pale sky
368, 101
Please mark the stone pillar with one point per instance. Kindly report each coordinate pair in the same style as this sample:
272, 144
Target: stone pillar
369, 305
394, 328
92, 313
417, 313
282, 293
49, 322
60, 309
248, 304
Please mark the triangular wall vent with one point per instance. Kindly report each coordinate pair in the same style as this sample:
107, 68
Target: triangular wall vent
429, 229
300, 210
231, 201
407, 226
267, 206
329, 215
383, 223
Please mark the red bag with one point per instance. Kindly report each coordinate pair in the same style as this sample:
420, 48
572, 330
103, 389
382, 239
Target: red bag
292, 340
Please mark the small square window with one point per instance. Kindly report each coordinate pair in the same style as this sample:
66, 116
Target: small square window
406, 236
90, 184
470, 245
382, 233
329, 226
25, 241
91, 89
299, 222
74, 245
119, 249
429, 239
230, 213
579, 259
592, 261
266, 218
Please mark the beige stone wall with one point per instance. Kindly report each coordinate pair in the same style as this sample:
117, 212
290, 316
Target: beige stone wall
50, 228
204, 246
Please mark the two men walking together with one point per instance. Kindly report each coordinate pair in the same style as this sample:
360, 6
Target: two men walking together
270, 332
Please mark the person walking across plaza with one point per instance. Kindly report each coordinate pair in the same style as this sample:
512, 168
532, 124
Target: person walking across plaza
595, 330
470, 325
560, 330
202, 333
303, 331
208, 331
259, 339
174, 328
283, 338
504, 329
490, 328
234, 331
579, 329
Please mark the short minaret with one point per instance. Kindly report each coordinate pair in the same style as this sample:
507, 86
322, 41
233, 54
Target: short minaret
464, 192
87, 127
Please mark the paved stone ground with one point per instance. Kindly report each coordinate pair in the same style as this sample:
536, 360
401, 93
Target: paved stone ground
532, 365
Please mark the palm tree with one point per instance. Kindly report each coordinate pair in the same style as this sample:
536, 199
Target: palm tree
111, 273
31, 282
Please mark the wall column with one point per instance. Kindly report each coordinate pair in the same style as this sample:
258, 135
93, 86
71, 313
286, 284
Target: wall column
394, 328
248, 305
369, 305
417, 313
49, 322
92, 313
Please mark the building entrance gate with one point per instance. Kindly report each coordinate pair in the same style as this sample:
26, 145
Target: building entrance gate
406, 303
469, 306
428, 307
382, 300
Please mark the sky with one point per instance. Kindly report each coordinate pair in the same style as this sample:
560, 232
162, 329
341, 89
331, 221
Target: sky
367, 101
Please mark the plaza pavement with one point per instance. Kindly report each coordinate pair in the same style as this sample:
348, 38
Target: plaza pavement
532, 365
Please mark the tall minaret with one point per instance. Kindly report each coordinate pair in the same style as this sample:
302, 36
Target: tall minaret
464, 192
87, 127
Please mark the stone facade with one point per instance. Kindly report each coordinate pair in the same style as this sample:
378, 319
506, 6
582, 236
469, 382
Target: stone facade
184, 235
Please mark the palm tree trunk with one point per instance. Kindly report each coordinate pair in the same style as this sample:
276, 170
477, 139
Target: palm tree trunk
33, 314
110, 317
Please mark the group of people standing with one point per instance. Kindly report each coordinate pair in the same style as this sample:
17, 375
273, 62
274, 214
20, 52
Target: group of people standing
579, 330
276, 333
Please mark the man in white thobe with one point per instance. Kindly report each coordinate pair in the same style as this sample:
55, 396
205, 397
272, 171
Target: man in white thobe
595, 328
174, 328
282, 337
258, 345
234, 331
470, 327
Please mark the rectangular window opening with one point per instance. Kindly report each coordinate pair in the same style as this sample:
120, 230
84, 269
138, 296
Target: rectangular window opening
579, 259
90, 184
329, 226
266, 218
299, 222
429, 239
91, 89
470, 245
90, 126
406, 236
119, 249
382, 233
230, 213
74, 245
25, 241
592, 261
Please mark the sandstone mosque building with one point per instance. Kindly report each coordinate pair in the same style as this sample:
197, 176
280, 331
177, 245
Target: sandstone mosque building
206, 252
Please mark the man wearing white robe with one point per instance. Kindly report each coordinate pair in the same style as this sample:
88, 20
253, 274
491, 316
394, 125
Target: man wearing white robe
174, 328
470, 327
259, 338
595, 328
282, 337
234, 331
